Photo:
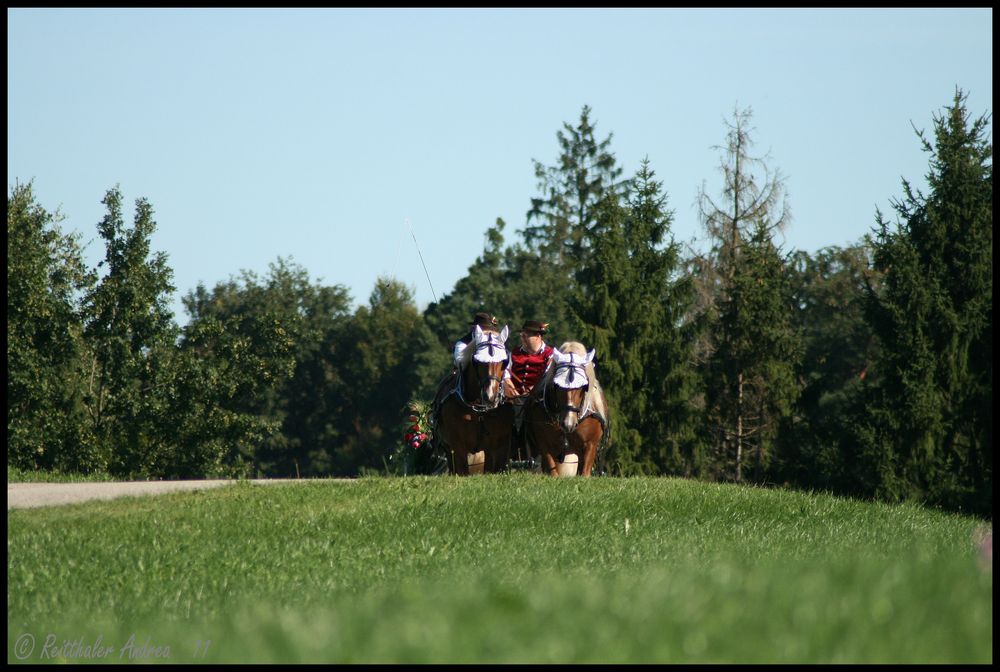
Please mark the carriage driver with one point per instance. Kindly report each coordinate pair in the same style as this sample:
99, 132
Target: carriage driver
527, 364
484, 321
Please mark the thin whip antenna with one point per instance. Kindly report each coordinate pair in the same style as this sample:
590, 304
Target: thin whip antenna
422, 260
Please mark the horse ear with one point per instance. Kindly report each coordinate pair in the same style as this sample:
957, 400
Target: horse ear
504, 333
477, 333
590, 356
559, 356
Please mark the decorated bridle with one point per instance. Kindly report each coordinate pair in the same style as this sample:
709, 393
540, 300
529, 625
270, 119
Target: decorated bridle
491, 344
576, 378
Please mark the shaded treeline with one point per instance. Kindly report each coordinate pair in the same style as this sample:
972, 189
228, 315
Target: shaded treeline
865, 370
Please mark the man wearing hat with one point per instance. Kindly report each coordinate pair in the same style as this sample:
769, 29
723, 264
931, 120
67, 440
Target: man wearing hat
527, 361
448, 384
527, 364
485, 321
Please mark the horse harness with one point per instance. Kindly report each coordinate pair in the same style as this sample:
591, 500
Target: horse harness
480, 409
552, 411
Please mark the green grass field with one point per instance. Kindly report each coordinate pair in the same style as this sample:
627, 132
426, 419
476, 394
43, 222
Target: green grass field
513, 568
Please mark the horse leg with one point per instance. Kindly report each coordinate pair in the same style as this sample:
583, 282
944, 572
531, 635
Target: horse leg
590, 443
457, 462
500, 447
549, 463
590, 453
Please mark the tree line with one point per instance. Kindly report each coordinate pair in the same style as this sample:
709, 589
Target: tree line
864, 370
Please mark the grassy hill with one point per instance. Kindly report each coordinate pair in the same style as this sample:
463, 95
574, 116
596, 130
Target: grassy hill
512, 568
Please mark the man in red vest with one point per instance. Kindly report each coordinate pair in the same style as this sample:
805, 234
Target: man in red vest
527, 363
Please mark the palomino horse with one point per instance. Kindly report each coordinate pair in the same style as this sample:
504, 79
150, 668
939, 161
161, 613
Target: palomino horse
473, 426
568, 420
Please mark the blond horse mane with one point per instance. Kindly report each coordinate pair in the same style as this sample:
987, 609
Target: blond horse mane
595, 395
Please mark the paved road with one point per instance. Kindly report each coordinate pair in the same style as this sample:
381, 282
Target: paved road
29, 495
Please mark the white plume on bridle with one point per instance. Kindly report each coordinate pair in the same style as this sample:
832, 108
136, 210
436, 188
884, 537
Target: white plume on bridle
486, 346
570, 373
572, 367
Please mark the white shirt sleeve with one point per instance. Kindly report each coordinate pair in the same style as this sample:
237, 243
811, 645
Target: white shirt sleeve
459, 349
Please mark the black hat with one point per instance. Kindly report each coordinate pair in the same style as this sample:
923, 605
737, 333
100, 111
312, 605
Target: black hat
534, 326
484, 320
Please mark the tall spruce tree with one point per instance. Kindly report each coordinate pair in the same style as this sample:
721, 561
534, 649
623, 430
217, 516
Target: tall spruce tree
752, 195
932, 392
629, 308
757, 358
732, 286
565, 211
660, 302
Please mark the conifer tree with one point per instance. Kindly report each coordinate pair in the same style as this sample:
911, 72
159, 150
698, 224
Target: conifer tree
731, 286
838, 346
629, 307
933, 317
565, 211
757, 358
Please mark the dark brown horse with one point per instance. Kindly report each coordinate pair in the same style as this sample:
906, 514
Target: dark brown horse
567, 421
474, 426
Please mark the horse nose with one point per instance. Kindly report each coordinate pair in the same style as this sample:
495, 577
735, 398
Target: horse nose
569, 422
490, 391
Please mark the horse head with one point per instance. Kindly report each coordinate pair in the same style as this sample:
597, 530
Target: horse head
570, 382
487, 364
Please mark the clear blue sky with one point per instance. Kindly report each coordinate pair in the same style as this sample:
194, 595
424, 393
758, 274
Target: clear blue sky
313, 133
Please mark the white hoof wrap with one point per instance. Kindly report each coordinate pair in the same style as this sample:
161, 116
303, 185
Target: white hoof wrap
477, 462
569, 465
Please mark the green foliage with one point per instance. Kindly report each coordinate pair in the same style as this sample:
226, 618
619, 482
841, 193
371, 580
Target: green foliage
270, 345
387, 354
750, 348
629, 308
585, 173
480, 290
45, 348
414, 453
218, 366
16, 475
838, 347
933, 319
128, 330
98, 382
753, 370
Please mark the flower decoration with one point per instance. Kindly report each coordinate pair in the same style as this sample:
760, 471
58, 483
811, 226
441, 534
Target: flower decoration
415, 429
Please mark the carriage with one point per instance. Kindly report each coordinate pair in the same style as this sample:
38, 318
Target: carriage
565, 418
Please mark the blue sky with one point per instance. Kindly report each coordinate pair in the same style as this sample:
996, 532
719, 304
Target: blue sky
313, 134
